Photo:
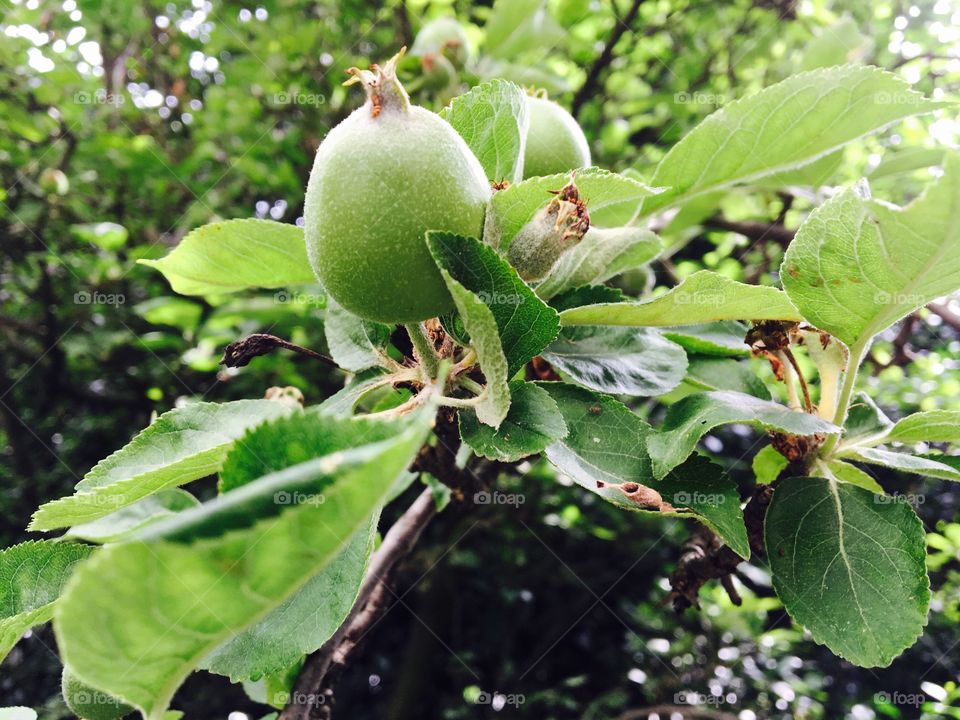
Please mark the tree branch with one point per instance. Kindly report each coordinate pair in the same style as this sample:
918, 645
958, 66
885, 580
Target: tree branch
591, 84
753, 230
310, 697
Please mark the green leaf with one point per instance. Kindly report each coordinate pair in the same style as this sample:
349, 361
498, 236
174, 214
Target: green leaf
169, 605
343, 402
513, 207
492, 119
858, 265
865, 422
235, 255
586, 295
785, 126
515, 26
305, 621
294, 439
695, 415
534, 421
32, 575
599, 256
906, 159
836, 44
355, 344
725, 338
702, 298
525, 323
441, 493
845, 472
717, 373
121, 524
481, 324
930, 426
173, 311
903, 462
621, 361
604, 452
848, 567
768, 464
181, 445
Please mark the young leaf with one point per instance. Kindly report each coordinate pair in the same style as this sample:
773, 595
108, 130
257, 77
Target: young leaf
604, 452
858, 265
849, 567
703, 297
492, 119
903, 462
865, 422
513, 207
32, 574
845, 472
18, 713
602, 254
516, 25
725, 338
169, 605
768, 464
930, 426
695, 415
236, 255
525, 323
620, 361
785, 126
485, 337
181, 445
122, 523
534, 421
355, 344
342, 402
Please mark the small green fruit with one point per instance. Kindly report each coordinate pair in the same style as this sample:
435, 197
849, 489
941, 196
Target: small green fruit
381, 179
90, 704
555, 143
54, 182
554, 229
443, 36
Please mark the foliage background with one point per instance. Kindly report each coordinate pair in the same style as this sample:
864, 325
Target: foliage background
166, 116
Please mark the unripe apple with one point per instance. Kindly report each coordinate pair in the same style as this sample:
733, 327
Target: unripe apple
555, 143
381, 179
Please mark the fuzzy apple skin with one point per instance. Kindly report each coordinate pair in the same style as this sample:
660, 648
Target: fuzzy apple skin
379, 182
555, 143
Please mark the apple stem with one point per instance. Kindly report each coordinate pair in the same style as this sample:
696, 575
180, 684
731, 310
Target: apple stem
423, 349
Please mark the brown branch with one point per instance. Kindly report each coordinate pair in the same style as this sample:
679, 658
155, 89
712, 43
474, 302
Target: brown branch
753, 230
946, 314
592, 82
311, 694
705, 558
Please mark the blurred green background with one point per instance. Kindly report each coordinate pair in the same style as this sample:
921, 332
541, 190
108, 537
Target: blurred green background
125, 125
